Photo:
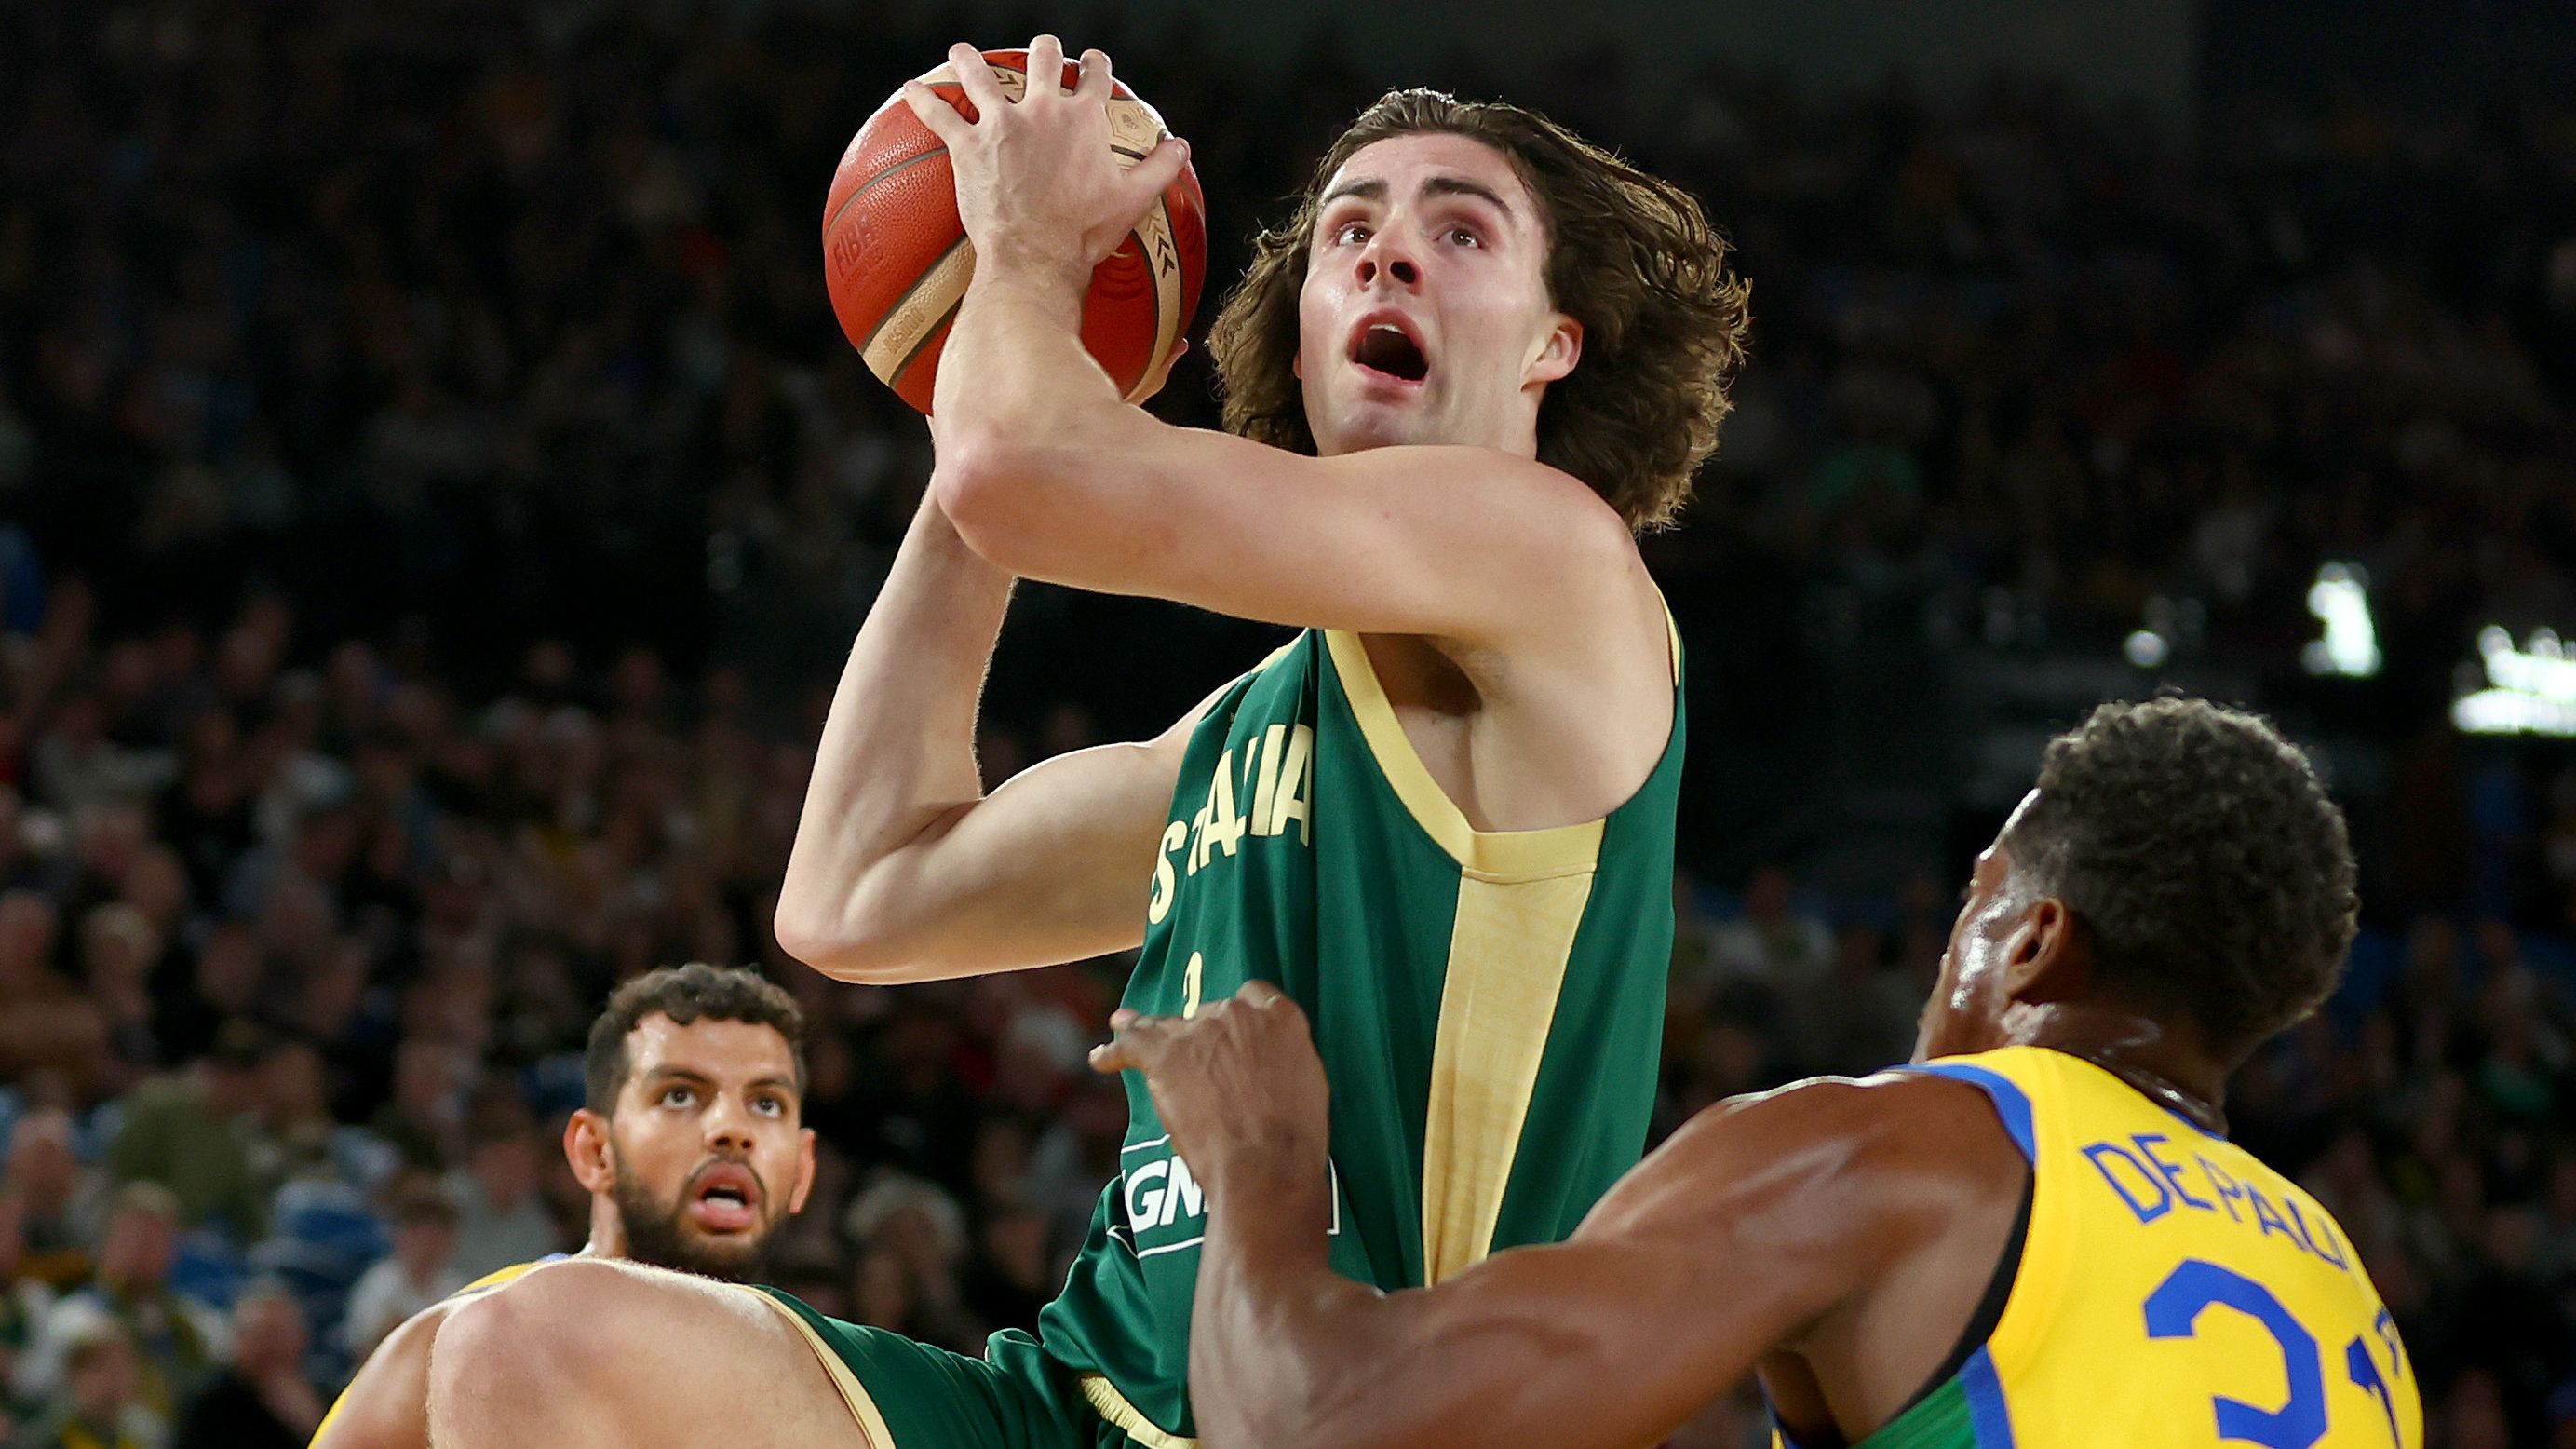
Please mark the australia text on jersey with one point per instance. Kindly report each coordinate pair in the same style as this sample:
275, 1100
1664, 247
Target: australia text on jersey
1156, 1189
1277, 777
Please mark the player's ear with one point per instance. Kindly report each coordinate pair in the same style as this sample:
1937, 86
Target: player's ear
586, 1148
2049, 958
1558, 351
804, 1187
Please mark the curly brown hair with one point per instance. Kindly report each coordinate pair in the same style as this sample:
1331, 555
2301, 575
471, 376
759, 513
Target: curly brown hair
1630, 257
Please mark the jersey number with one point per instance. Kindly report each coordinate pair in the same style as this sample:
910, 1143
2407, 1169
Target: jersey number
2174, 1309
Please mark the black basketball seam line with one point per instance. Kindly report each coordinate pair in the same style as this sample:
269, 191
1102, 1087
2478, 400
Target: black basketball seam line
916, 159
920, 156
936, 331
1154, 287
871, 184
918, 283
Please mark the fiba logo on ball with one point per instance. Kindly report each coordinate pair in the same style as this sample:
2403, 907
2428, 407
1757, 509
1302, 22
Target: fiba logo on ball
846, 246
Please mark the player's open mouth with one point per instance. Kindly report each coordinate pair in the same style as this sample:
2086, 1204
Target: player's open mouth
725, 1199
1385, 343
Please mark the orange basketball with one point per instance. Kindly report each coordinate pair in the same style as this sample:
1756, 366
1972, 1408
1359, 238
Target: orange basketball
897, 259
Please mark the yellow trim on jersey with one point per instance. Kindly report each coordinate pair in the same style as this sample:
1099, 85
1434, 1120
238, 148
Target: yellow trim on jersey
1497, 855
1508, 949
498, 1277
854, 1394
1106, 1401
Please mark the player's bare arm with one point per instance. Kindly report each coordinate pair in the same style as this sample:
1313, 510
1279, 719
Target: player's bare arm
903, 870
1802, 1226
1047, 474
386, 1406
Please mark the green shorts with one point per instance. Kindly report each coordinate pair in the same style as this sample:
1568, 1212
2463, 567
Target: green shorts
909, 1395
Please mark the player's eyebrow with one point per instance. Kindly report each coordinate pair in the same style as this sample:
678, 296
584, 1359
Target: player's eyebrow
1371, 189
1467, 186
697, 1078
1374, 189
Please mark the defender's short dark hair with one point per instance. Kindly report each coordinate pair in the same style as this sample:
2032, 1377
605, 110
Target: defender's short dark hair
2203, 853
684, 994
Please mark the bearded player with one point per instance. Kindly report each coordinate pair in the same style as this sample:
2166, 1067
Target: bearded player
2036, 1235
690, 1144
1481, 358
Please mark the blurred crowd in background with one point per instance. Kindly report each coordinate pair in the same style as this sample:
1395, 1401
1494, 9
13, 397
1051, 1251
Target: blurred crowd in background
434, 497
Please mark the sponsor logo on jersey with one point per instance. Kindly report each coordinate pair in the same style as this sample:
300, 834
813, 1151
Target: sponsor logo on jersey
1158, 1193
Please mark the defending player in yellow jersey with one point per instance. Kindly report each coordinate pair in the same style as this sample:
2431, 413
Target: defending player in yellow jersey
692, 1144
2037, 1235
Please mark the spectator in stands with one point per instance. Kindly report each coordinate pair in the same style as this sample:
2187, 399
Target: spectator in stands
24, 1303
44, 1175
193, 1131
1011, 1275
45, 1023
175, 1340
1771, 941
422, 1118
99, 1406
118, 949
419, 1272
501, 1219
913, 1229
261, 1398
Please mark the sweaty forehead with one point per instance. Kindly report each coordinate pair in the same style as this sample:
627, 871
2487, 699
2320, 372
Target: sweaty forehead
1404, 163
721, 1051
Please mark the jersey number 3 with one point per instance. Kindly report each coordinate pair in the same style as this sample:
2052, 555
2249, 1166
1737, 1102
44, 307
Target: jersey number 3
2194, 1287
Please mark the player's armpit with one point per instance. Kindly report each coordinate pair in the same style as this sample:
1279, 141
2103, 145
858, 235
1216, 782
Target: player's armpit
1451, 542
1759, 1218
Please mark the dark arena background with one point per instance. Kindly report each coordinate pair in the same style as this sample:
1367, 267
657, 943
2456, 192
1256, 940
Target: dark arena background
435, 499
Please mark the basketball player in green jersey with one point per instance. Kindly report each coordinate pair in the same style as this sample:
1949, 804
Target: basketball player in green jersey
1483, 355
2037, 1235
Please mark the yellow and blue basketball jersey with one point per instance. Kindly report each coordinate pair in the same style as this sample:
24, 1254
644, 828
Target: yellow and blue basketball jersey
2172, 1291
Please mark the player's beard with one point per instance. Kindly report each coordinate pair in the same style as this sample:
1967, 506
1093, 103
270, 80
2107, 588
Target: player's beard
657, 1234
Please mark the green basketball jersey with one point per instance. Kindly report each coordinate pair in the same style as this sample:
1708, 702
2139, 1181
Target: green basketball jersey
1489, 1006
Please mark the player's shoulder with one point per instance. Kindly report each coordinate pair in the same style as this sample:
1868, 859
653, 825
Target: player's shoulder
380, 1407
412, 1335
1896, 1121
1873, 1162
1569, 500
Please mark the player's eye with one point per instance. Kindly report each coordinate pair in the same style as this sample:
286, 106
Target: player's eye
1463, 237
1351, 233
769, 1106
679, 1096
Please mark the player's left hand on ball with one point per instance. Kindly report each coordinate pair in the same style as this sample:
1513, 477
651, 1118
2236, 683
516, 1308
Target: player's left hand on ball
1037, 182
1238, 1085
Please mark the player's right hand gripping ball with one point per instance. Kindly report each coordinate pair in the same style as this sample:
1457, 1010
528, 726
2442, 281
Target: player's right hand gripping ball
897, 258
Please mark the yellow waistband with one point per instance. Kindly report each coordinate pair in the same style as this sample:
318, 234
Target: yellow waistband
1113, 1406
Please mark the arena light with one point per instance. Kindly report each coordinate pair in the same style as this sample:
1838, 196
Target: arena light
2531, 690
2340, 598
2146, 649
